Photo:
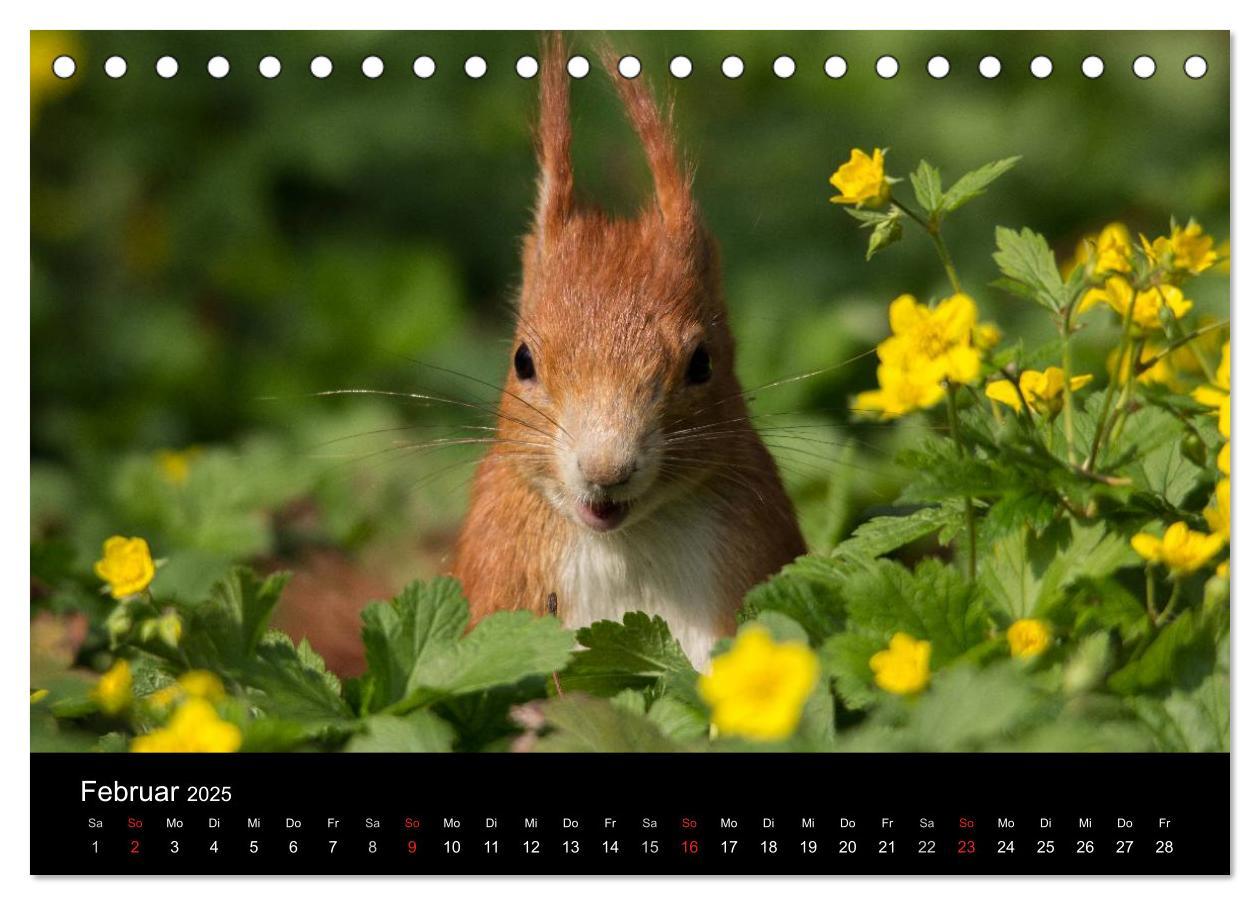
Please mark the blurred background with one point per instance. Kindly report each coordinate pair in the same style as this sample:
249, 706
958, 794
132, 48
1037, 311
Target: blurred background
207, 255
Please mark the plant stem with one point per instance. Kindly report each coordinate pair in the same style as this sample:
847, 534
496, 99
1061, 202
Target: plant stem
933, 229
1172, 603
1150, 595
1067, 385
1111, 385
969, 507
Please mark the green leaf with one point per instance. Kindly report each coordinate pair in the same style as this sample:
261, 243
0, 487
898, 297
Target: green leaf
224, 630
933, 603
1152, 443
1026, 259
1196, 720
885, 233
584, 724
293, 683
638, 652
1025, 575
418, 732
887, 533
808, 591
972, 185
503, 648
846, 659
966, 709
679, 720
927, 188
422, 620
1182, 654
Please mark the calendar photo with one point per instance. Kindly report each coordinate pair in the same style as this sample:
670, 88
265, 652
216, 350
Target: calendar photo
711, 393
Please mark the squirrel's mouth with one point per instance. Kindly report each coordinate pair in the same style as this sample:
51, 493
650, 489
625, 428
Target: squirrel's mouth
602, 515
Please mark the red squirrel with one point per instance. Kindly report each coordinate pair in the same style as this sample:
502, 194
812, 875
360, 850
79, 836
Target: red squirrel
626, 473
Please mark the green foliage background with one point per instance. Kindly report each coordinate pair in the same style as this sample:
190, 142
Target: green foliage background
207, 254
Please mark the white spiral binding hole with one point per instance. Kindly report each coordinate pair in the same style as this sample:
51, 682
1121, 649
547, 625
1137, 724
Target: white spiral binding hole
1092, 67
732, 67
1041, 67
166, 67
115, 67
423, 67
938, 67
372, 67
835, 67
886, 67
475, 67
629, 67
784, 66
321, 67
1195, 66
1144, 67
269, 67
217, 67
64, 66
990, 67
579, 67
526, 67
680, 67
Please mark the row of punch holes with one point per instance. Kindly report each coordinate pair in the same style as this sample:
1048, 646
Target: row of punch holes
680, 67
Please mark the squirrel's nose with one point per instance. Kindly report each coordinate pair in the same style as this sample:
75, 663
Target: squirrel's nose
606, 471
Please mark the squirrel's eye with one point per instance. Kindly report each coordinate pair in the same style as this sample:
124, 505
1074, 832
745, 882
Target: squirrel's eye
700, 368
523, 361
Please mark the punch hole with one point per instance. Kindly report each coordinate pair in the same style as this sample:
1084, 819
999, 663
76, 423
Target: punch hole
732, 67
218, 67
1092, 67
784, 66
680, 67
475, 67
990, 67
1195, 66
887, 66
1144, 67
579, 67
372, 67
938, 67
526, 67
167, 67
321, 67
64, 66
1041, 67
424, 67
835, 67
629, 67
115, 67
269, 67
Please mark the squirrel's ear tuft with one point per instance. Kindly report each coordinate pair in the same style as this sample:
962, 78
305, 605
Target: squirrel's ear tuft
552, 140
654, 126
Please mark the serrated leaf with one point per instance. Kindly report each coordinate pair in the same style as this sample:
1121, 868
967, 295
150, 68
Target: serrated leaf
224, 630
1182, 654
291, 683
927, 187
678, 719
502, 649
807, 591
1196, 720
1024, 575
965, 709
888, 533
580, 723
418, 732
846, 659
637, 652
414, 625
972, 185
1025, 258
933, 603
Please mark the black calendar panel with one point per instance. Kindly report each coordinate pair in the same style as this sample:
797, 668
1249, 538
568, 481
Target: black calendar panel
630, 814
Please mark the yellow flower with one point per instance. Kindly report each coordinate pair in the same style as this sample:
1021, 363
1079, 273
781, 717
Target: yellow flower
1112, 249
1188, 249
195, 728
900, 392
126, 566
1222, 458
903, 667
932, 341
985, 336
1043, 390
113, 691
1183, 551
1028, 637
1159, 368
1222, 571
759, 687
861, 181
175, 464
1217, 396
201, 683
1218, 516
1117, 293
38, 695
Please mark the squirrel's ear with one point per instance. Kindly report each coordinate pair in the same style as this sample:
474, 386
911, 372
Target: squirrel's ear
552, 139
654, 126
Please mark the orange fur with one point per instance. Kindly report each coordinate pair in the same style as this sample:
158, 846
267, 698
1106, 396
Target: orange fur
612, 311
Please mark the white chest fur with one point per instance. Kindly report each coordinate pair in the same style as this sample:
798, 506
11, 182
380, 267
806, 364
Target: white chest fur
666, 567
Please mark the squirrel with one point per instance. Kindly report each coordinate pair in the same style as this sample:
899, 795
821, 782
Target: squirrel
626, 473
